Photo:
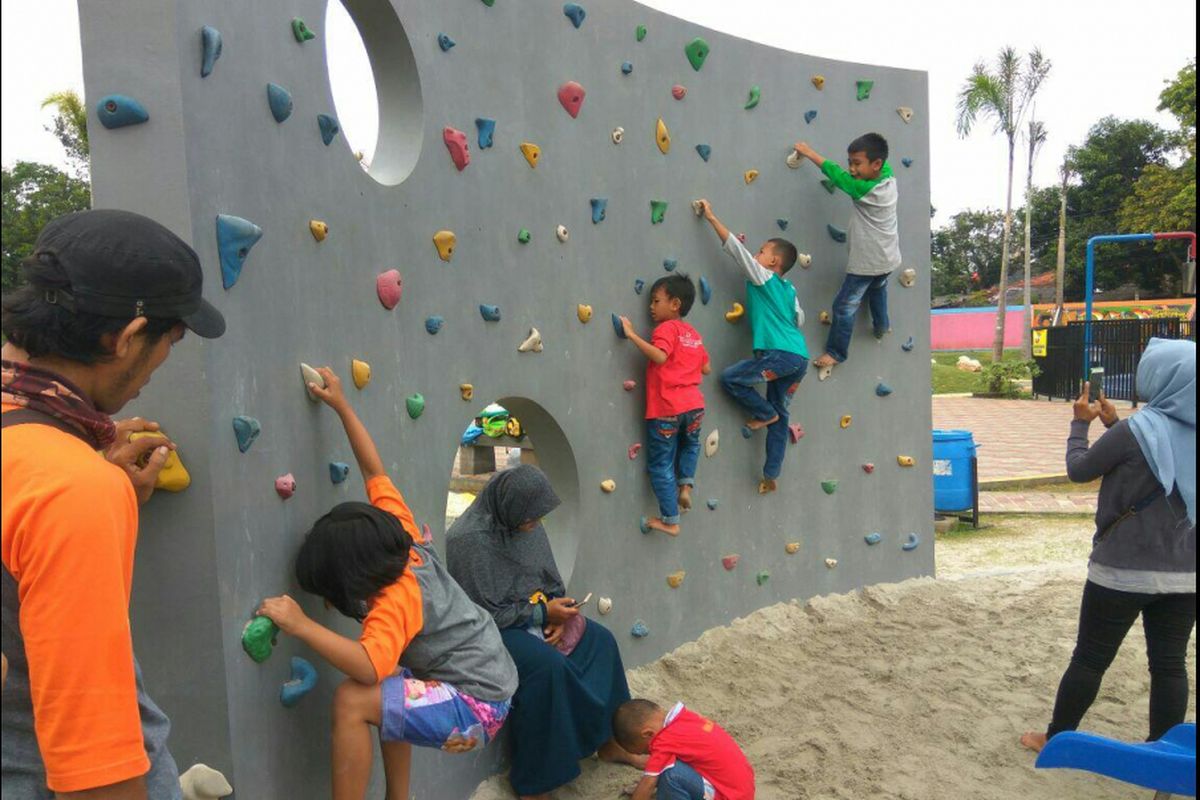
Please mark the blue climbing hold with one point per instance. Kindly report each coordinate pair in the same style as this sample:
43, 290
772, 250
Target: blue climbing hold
280, 101
644, 525
705, 290
912, 542
304, 678
617, 326
210, 48
882, 389
599, 208
908, 162
828, 185
746, 432
469, 436
712, 503
329, 127
704, 150
445, 42
338, 471
487, 129
639, 630
782, 223
247, 430
908, 345
836, 233
810, 115
434, 324
873, 538
639, 286
669, 264
118, 110
575, 13
489, 313
626, 67
235, 237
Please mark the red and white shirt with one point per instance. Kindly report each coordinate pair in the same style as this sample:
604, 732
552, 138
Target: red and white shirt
673, 387
704, 746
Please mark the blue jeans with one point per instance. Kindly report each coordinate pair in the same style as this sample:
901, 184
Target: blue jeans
782, 372
672, 450
845, 307
681, 782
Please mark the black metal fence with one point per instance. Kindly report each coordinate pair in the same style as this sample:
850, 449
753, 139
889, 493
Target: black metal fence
1117, 346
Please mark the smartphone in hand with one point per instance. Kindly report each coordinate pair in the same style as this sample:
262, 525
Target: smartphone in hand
1097, 384
582, 602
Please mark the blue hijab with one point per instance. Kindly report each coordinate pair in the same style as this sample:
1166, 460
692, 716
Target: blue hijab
1166, 427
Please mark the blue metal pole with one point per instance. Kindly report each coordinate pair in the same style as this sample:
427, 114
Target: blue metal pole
1090, 282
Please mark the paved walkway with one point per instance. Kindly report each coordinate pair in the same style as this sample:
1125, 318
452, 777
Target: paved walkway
1034, 502
1017, 438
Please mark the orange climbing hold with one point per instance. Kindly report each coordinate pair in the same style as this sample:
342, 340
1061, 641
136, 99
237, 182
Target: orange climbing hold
750, 175
466, 391
675, 579
584, 312
792, 548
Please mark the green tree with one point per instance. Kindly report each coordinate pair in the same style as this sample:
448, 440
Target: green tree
1004, 95
34, 194
966, 253
70, 128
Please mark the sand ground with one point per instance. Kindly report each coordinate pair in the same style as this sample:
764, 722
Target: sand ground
913, 691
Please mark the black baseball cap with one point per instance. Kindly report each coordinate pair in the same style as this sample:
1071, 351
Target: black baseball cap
124, 265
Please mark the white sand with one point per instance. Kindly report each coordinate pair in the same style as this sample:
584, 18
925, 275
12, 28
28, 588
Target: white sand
916, 690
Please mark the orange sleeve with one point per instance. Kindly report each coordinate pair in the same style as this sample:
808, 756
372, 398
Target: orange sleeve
70, 537
384, 495
394, 620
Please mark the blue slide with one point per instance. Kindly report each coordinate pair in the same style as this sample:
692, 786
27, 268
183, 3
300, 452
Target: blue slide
1167, 765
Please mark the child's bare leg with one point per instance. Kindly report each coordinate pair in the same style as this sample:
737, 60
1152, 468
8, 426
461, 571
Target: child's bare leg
759, 424
685, 495
397, 760
356, 707
611, 751
656, 524
825, 361
1033, 741
767, 485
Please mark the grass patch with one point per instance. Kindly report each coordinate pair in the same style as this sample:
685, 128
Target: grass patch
949, 379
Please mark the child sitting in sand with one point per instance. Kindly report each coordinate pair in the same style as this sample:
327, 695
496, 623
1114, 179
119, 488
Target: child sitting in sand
429, 667
691, 758
674, 404
780, 354
873, 237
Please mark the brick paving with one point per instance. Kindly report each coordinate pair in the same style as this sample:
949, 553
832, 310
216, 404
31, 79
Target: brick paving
1034, 502
1017, 438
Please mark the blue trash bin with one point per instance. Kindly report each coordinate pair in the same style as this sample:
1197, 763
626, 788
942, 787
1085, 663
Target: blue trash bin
952, 476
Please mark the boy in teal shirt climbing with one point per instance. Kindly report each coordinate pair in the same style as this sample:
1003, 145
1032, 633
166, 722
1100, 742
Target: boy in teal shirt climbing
873, 237
780, 354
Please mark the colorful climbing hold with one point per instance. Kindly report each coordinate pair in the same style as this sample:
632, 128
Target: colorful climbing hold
360, 373
704, 151
831, 563
486, 129
730, 561
862, 89
599, 209
818, 81
868, 468
679, 91
873, 538
584, 312
235, 237
791, 548
618, 326
712, 443
753, 98
626, 67
608, 486
532, 342
829, 486
825, 318
604, 605
712, 503
531, 152
782, 223
618, 135
633, 450
658, 210
571, 95
882, 389
202, 782
908, 277
908, 345
845, 421
444, 241
338, 471
562, 233
466, 391
414, 404
301, 31
905, 113
675, 579
762, 577
907, 162
433, 324
119, 111
638, 286
329, 127
318, 229
911, 543
285, 485
173, 477
810, 115
828, 185
824, 372
794, 160
669, 264
489, 3
456, 143
705, 290
389, 286
750, 175
639, 32
804, 260
210, 49
662, 136
735, 313
696, 51
304, 678
836, 233
905, 461
445, 42
258, 638
308, 376
523, 236
575, 13
639, 630
246, 429
795, 432
747, 433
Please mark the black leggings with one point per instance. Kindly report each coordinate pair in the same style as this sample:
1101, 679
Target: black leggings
1105, 616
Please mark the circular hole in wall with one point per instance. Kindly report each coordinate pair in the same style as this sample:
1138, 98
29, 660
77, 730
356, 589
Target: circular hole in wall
545, 446
375, 87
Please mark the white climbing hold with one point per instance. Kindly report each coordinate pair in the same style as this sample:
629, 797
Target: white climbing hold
532, 343
608, 486
905, 113
202, 782
618, 135
698, 208
831, 562
310, 375
712, 443
824, 372
908, 277
794, 160
804, 260
604, 605
562, 233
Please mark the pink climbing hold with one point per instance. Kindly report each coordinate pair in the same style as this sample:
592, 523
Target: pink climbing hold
868, 468
678, 91
389, 285
285, 486
629, 386
456, 143
426, 534
634, 449
571, 95
729, 562
796, 432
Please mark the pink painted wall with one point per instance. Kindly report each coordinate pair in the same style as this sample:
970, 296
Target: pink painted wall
972, 328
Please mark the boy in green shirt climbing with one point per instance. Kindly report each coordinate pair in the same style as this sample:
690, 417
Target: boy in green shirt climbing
780, 354
873, 237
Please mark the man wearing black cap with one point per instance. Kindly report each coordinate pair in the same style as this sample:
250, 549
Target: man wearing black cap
108, 294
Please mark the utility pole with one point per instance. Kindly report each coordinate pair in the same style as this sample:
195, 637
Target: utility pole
1037, 137
1060, 270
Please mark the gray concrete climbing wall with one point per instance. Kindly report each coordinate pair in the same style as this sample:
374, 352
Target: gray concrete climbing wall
211, 146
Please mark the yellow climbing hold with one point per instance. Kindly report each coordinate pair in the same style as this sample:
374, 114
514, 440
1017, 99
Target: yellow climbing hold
818, 81
905, 461
792, 548
825, 318
360, 371
662, 136
531, 152
444, 241
608, 486
467, 391
584, 312
675, 579
735, 313
318, 229
174, 476
846, 420
750, 175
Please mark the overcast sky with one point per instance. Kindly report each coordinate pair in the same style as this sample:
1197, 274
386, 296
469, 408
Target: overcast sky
1109, 58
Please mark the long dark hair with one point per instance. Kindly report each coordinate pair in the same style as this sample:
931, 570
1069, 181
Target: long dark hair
352, 554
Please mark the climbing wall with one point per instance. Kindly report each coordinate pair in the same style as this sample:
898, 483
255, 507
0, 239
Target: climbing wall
532, 159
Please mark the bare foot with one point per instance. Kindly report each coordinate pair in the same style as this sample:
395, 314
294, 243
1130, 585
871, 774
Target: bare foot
825, 361
613, 752
656, 524
759, 424
685, 497
1033, 741
767, 485
535, 797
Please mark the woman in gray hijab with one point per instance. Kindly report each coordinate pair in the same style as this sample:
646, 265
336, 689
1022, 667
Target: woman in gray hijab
571, 676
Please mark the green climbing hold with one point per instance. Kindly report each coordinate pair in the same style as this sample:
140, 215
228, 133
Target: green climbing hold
415, 404
301, 31
258, 637
641, 32
523, 236
829, 487
697, 51
762, 577
658, 210
489, 3
864, 89
755, 96
828, 184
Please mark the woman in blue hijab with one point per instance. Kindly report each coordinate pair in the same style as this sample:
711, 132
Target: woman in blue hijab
1144, 552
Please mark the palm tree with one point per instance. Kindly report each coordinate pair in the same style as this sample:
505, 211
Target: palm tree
1065, 171
1035, 138
70, 125
1004, 95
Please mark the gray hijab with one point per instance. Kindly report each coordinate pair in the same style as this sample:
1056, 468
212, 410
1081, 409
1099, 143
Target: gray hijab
498, 566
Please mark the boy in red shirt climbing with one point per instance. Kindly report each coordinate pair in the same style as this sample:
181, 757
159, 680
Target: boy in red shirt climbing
674, 404
691, 758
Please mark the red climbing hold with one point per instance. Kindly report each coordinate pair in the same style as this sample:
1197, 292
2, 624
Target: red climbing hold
796, 432
730, 561
868, 468
571, 95
629, 386
678, 91
389, 285
634, 449
456, 143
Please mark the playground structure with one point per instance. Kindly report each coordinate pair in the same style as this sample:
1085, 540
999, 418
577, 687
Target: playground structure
533, 161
